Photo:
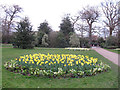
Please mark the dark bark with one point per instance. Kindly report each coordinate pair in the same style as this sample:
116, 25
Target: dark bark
110, 10
10, 13
90, 34
111, 29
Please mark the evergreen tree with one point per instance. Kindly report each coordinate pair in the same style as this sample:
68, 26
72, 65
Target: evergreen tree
24, 37
40, 35
61, 41
66, 28
43, 29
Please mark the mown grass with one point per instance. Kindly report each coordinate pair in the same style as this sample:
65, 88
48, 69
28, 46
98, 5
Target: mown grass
11, 80
115, 51
7, 45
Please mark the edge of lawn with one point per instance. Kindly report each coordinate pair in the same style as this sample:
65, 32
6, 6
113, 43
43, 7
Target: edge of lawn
114, 67
112, 50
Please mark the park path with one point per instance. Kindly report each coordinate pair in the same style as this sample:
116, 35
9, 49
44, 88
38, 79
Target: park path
114, 57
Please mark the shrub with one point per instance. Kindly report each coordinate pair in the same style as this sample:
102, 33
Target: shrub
40, 35
61, 40
45, 40
24, 37
111, 47
111, 41
84, 42
103, 45
101, 41
74, 40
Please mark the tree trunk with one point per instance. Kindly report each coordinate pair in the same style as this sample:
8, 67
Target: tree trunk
90, 35
111, 29
7, 35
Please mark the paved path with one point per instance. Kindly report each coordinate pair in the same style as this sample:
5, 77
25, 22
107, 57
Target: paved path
114, 57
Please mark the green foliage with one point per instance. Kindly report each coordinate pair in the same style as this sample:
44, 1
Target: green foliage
24, 36
111, 41
103, 45
74, 40
66, 26
84, 42
111, 47
61, 40
40, 35
44, 27
45, 40
4, 39
118, 36
100, 41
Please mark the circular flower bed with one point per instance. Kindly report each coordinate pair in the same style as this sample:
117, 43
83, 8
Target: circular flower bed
55, 65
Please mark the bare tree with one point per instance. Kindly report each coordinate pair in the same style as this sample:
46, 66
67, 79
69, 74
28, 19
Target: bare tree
82, 29
105, 32
89, 15
110, 10
118, 34
77, 25
74, 21
0, 30
10, 13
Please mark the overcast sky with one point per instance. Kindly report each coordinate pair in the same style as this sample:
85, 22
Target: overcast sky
50, 10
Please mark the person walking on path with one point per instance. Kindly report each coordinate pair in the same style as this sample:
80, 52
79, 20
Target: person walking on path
114, 57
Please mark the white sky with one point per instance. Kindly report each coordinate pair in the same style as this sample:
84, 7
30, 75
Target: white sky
50, 10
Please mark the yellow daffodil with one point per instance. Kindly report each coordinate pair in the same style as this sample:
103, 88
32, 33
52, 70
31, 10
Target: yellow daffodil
76, 62
82, 64
46, 62
49, 59
42, 62
25, 62
65, 65
69, 64
19, 60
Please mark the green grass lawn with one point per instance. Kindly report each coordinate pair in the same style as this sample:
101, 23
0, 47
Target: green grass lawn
6, 45
11, 80
112, 50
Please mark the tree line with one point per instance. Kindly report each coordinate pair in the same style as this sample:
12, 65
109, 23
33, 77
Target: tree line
25, 37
